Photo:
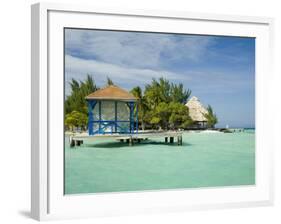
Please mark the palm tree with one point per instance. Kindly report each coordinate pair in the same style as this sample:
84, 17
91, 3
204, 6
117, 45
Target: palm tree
142, 106
211, 117
109, 81
152, 94
79, 90
179, 94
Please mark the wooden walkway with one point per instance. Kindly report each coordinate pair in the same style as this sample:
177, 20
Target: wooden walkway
131, 139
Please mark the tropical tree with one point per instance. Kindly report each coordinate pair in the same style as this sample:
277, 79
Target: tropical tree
179, 94
163, 91
165, 104
172, 115
161, 115
142, 106
79, 90
70, 122
152, 94
109, 81
76, 119
179, 116
211, 117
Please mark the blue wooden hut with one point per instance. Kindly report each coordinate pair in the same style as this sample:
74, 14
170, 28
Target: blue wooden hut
112, 110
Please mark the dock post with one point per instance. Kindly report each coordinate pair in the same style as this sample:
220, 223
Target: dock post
166, 139
131, 141
179, 140
72, 143
171, 139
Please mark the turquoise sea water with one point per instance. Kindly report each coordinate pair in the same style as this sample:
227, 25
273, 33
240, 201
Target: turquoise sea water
204, 160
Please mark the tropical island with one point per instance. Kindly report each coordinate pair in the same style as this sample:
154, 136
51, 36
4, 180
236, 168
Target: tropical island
161, 105
162, 110
127, 128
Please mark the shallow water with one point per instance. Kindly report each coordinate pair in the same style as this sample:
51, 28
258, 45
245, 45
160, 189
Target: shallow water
204, 160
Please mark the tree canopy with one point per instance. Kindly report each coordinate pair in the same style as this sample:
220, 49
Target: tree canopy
163, 104
211, 117
142, 104
76, 119
160, 105
79, 90
163, 91
109, 81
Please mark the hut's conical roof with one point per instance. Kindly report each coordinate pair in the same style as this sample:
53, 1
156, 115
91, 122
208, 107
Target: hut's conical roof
111, 92
196, 109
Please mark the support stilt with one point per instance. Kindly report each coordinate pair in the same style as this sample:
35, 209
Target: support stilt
178, 140
131, 141
72, 143
171, 139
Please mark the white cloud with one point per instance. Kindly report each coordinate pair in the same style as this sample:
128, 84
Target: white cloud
139, 50
126, 77
78, 68
132, 58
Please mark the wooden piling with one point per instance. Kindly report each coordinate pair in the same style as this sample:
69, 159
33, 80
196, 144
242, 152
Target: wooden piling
179, 140
72, 143
171, 139
166, 139
131, 141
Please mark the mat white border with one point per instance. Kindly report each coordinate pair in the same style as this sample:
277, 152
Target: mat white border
47, 202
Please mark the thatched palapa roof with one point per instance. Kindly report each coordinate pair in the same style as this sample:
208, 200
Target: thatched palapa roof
111, 92
196, 109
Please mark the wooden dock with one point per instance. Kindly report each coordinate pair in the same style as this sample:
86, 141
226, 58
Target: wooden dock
131, 139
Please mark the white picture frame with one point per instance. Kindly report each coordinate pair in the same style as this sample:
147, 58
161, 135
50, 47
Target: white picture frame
47, 198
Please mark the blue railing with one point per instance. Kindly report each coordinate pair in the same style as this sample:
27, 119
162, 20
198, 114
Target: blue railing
113, 125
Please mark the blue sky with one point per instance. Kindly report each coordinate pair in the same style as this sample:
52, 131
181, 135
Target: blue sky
219, 70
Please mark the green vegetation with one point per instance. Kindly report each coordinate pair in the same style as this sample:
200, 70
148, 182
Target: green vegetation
142, 105
109, 81
171, 115
79, 90
76, 119
211, 117
164, 91
161, 105
75, 106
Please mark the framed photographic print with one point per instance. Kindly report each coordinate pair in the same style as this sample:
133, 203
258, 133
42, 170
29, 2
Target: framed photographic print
148, 111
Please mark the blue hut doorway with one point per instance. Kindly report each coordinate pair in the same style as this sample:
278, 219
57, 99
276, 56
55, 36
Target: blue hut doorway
112, 110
